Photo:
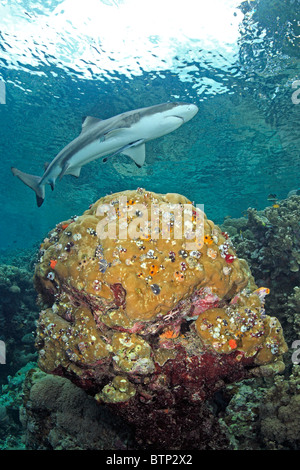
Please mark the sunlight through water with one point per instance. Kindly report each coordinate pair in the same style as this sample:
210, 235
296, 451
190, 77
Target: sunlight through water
128, 37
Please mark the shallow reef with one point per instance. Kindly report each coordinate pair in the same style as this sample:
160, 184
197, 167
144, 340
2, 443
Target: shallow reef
18, 313
267, 411
11, 403
280, 413
149, 326
263, 414
57, 415
270, 242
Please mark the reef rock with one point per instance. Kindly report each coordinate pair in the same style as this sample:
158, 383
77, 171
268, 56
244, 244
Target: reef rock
152, 319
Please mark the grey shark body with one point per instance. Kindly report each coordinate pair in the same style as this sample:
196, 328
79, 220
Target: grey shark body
125, 133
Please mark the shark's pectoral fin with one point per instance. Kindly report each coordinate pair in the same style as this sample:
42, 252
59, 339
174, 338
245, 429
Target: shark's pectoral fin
135, 150
137, 153
69, 170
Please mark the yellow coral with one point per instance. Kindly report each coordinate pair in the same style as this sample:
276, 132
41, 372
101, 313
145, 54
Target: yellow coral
242, 326
91, 265
131, 353
110, 296
68, 342
120, 389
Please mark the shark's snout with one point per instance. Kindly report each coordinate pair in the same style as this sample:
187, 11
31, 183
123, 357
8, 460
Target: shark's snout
192, 110
186, 111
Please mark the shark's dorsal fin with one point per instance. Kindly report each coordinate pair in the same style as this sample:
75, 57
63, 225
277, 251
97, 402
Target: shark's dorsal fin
89, 121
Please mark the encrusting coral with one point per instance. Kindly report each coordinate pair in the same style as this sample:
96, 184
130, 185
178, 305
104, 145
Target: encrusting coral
147, 321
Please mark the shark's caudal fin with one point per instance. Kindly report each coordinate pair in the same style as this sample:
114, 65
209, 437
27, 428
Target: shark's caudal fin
33, 182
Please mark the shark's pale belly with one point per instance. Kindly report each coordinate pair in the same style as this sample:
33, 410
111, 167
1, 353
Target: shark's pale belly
96, 150
143, 131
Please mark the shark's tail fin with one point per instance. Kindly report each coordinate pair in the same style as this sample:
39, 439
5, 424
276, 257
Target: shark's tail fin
33, 182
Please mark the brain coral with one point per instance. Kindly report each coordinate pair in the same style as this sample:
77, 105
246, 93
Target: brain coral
149, 320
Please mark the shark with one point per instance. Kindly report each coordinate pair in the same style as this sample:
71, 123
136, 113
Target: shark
125, 133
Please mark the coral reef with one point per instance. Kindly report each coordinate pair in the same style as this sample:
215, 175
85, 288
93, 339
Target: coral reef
11, 401
263, 414
57, 415
280, 413
241, 415
270, 242
292, 313
18, 313
148, 323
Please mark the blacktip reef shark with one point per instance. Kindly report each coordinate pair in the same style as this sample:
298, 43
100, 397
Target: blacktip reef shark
125, 133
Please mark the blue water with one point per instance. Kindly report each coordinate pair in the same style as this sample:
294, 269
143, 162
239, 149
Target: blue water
61, 61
